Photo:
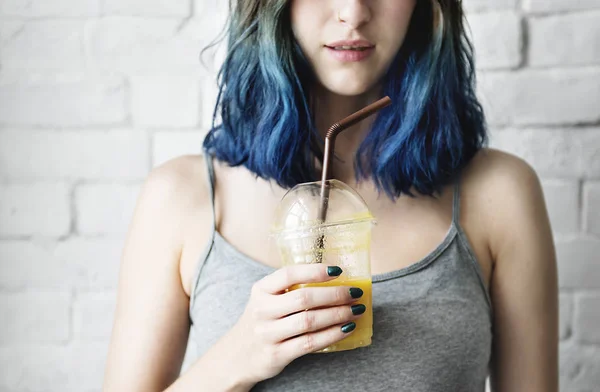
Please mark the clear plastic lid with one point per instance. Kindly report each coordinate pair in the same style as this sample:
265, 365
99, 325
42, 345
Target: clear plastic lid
299, 208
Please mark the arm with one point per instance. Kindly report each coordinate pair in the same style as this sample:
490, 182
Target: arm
524, 284
151, 325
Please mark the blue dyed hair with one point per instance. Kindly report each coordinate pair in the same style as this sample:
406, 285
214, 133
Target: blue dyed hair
431, 131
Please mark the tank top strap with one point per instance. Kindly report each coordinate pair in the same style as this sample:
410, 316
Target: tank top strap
211, 186
209, 245
456, 203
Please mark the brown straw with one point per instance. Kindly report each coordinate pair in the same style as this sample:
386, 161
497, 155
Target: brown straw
330, 136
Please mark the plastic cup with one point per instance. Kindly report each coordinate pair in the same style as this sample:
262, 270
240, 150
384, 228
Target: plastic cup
343, 240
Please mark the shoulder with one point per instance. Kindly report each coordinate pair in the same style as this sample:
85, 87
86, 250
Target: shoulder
503, 178
178, 174
498, 168
507, 194
181, 179
172, 191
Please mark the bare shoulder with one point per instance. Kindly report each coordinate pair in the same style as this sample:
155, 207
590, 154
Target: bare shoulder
181, 179
496, 168
171, 195
508, 195
502, 179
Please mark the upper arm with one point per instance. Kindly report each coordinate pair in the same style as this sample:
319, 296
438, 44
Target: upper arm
151, 322
524, 284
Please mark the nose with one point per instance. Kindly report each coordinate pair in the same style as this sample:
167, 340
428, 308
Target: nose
354, 13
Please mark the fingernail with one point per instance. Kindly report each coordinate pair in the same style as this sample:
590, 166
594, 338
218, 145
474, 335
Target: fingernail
346, 328
358, 309
334, 271
355, 292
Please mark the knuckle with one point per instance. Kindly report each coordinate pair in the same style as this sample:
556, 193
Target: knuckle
258, 331
302, 299
341, 315
261, 331
308, 321
272, 355
308, 343
341, 295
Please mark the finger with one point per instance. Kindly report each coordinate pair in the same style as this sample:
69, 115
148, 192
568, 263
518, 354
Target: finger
286, 277
314, 320
314, 341
311, 298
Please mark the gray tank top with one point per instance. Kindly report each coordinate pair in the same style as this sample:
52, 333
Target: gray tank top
432, 326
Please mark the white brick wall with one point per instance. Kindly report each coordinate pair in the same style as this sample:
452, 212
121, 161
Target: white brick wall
94, 93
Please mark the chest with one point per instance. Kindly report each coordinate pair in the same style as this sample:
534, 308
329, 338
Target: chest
407, 230
432, 328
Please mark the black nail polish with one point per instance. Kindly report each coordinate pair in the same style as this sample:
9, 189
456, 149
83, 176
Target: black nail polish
346, 328
355, 292
358, 309
334, 271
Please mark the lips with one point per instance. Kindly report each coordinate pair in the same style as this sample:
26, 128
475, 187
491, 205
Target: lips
350, 51
349, 48
351, 45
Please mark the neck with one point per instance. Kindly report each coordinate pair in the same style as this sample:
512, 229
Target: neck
330, 108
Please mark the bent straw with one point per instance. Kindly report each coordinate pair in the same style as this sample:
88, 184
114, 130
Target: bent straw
330, 137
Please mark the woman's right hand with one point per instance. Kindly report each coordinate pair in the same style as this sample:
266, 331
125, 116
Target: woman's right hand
279, 326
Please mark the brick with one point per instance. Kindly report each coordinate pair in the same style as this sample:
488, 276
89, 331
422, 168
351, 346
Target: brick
45, 8
42, 44
34, 209
84, 264
104, 208
551, 152
487, 5
565, 40
76, 263
35, 317
587, 319
562, 202
545, 6
591, 211
498, 39
113, 154
166, 100
73, 368
168, 145
591, 152
579, 368
93, 315
161, 8
578, 263
530, 97
68, 100
565, 316
131, 44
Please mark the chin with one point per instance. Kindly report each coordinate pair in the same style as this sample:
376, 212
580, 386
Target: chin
348, 89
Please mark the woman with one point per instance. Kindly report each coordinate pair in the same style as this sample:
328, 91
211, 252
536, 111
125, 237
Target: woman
462, 257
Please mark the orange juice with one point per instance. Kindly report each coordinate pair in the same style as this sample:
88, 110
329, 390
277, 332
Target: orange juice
361, 336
